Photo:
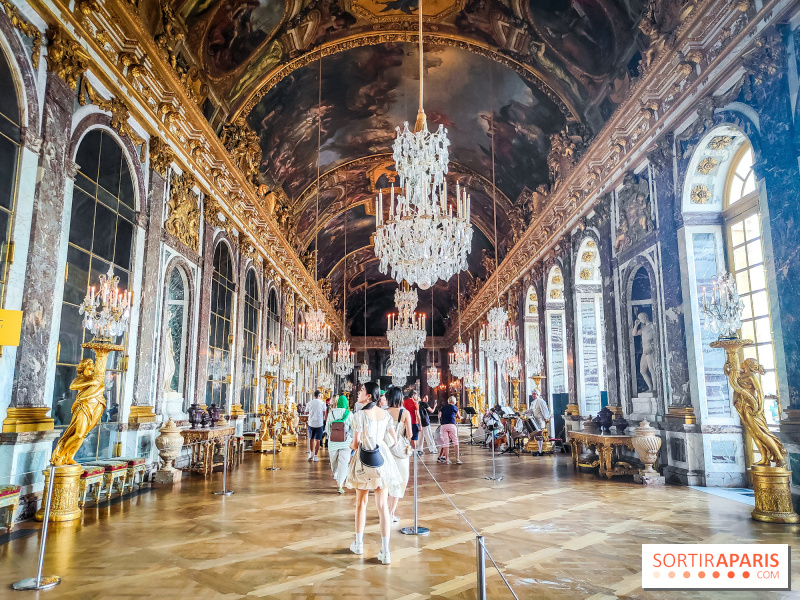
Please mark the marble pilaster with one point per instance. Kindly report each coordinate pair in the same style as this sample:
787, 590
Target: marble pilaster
603, 226
204, 314
570, 366
238, 333
146, 363
41, 315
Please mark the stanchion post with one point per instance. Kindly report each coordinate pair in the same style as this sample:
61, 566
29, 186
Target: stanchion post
495, 476
274, 440
416, 530
225, 491
480, 555
48, 581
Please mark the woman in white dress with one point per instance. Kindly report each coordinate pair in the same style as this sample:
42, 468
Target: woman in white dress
370, 426
401, 451
339, 451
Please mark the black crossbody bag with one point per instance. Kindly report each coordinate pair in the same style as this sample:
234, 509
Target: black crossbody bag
370, 458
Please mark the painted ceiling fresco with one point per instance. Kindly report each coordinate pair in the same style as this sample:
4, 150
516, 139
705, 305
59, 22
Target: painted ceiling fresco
531, 66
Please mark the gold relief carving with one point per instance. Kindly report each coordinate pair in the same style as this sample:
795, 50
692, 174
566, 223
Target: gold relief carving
85, 9
700, 194
555, 294
557, 279
719, 142
246, 247
587, 256
161, 156
25, 27
242, 144
707, 165
591, 244
193, 83
533, 309
290, 306
65, 57
586, 274
183, 219
119, 113
171, 33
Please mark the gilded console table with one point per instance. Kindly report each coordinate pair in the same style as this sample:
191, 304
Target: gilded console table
202, 443
605, 446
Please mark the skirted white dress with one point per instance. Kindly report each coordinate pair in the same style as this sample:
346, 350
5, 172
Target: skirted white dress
402, 463
372, 435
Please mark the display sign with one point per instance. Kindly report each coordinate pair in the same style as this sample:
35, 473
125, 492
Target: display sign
10, 327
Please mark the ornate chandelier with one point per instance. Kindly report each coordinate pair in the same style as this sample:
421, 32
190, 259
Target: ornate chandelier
314, 337
499, 337
424, 239
398, 380
106, 312
474, 380
434, 376
535, 362
513, 367
460, 359
325, 380
363, 373
724, 309
406, 329
344, 361
272, 359
400, 364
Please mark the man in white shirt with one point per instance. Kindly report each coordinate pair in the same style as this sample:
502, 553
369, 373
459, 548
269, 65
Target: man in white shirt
540, 413
316, 425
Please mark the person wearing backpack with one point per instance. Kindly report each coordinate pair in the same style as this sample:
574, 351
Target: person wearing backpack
401, 451
372, 466
339, 428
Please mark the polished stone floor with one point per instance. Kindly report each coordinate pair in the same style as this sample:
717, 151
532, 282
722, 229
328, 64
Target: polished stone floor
285, 534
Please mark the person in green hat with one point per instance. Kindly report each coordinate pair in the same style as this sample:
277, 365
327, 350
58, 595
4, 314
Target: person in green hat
340, 435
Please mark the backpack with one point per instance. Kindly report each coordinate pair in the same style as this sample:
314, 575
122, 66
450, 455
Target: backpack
338, 431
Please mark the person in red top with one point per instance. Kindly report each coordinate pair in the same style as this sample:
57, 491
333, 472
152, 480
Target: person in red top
412, 406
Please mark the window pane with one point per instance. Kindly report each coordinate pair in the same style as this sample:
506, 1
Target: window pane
760, 304
763, 330
8, 170
766, 356
81, 220
754, 253
71, 335
77, 275
736, 191
737, 233
110, 164
752, 228
749, 184
745, 163
757, 281
769, 383
748, 333
747, 313
88, 155
742, 282
749, 351
122, 255
105, 228
739, 258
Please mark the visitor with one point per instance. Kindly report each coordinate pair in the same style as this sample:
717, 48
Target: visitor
384, 403
339, 428
426, 434
370, 427
540, 413
401, 449
316, 424
412, 407
448, 413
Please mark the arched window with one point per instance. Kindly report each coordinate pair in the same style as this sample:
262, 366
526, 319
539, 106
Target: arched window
556, 328
589, 321
746, 262
273, 319
220, 330
252, 317
10, 136
101, 235
532, 342
176, 334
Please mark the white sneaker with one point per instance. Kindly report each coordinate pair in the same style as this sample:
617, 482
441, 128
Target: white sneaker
310, 455
395, 519
356, 548
316, 459
449, 462
385, 558
458, 462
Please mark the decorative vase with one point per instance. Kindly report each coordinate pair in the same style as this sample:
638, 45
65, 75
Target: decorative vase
621, 424
647, 444
205, 420
169, 443
590, 425
195, 415
213, 414
604, 419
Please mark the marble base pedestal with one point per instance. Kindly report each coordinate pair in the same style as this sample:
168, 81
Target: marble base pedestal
66, 492
648, 479
790, 436
168, 477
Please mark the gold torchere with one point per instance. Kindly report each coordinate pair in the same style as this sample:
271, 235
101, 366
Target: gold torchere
770, 482
266, 438
88, 408
289, 437
515, 383
471, 393
268, 396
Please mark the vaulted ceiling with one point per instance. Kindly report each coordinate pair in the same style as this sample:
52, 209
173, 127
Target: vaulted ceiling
532, 66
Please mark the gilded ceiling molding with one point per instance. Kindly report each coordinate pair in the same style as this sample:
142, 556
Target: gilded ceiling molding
527, 72
132, 65
631, 130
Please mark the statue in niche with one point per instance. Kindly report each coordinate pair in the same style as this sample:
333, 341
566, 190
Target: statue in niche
169, 363
635, 214
646, 330
86, 413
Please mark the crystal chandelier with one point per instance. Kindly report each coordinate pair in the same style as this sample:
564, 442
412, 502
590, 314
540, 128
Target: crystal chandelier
363, 373
513, 367
399, 365
535, 362
498, 336
325, 380
434, 376
406, 329
106, 311
398, 380
424, 239
460, 360
313, 342
474, 381
344, 361
272, 359
724, 308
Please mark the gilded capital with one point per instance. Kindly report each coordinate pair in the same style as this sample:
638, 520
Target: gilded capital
65, 57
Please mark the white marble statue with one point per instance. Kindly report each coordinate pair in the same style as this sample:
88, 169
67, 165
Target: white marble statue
169, 362
645, 328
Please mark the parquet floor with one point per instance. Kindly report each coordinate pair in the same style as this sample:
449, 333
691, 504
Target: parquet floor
285, 534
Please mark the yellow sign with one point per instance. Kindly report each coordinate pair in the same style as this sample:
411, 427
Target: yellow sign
10, 327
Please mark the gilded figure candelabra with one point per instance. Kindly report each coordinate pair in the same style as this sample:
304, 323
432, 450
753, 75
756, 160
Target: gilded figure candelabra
287, 417
769, 474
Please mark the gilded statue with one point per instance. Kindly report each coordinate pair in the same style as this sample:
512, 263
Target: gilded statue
183, 220
243, 145
748, 398
86, 412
